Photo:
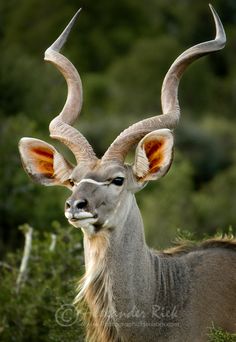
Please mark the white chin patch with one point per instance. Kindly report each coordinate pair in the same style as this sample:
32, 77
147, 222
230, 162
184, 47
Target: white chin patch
87, 225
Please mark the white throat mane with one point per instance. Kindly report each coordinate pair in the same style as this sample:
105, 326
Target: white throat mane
95, 291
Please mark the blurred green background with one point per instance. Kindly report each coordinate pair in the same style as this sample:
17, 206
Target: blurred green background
122, 50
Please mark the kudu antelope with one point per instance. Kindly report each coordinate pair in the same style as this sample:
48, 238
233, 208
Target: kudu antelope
132, 292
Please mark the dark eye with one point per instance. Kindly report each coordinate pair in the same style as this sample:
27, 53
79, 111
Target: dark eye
72, 183
118, 181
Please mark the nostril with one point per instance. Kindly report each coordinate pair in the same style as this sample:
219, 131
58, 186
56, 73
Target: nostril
67, 205
81, 204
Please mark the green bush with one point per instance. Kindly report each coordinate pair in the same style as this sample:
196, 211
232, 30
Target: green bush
40, 307
218, 335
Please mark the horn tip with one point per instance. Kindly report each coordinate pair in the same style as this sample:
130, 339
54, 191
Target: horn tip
220, 33
60, 41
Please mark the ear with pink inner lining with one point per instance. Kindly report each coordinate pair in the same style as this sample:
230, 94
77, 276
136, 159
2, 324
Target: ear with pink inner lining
153, 155
43, 163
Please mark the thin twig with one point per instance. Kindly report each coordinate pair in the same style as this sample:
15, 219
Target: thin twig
25, 259
53, 242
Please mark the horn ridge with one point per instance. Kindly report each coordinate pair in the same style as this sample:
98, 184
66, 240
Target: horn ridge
61, 126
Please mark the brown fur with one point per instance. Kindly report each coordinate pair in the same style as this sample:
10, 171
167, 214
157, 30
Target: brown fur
95, 296
186, 246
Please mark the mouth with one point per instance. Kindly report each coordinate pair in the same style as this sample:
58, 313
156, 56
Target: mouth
83, 219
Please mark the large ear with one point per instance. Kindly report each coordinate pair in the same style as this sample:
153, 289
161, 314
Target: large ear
154, 155
43, 163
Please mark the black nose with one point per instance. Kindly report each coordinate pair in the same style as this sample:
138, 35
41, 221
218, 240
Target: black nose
81, 204
78, 204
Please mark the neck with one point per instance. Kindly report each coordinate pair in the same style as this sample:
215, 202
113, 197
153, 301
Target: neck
119, 274
129, 262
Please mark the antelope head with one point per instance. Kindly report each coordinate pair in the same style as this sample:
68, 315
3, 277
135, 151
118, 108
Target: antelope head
102, 188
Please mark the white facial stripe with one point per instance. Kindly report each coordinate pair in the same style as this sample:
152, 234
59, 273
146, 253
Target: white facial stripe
88, 180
